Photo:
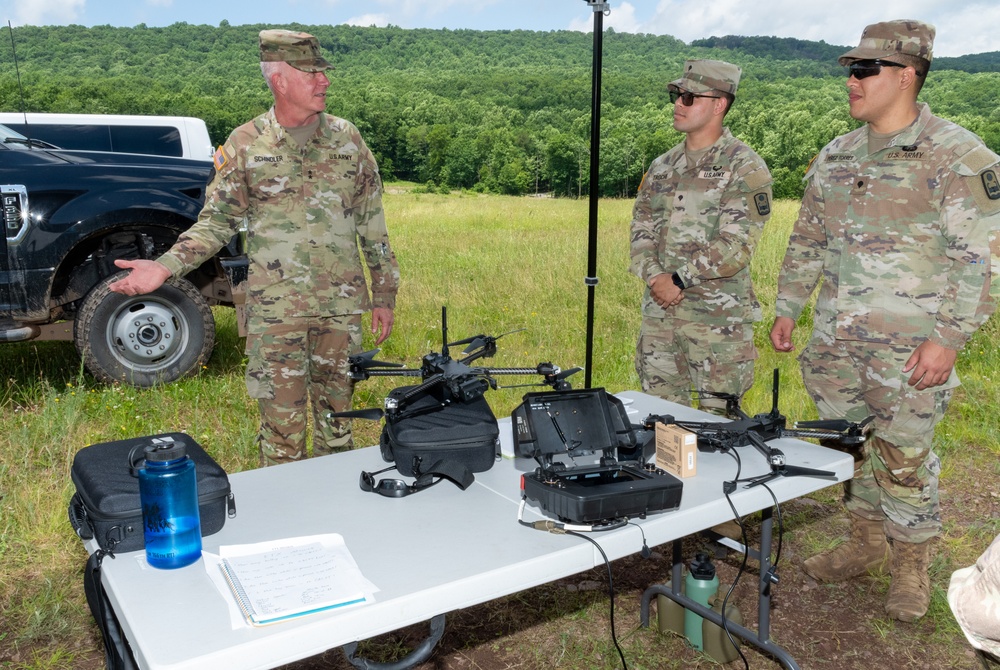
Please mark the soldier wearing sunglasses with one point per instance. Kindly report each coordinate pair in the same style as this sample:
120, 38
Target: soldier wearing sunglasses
897, 219
699, 213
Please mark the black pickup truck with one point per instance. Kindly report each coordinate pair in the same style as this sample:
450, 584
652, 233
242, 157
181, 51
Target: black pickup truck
67, 216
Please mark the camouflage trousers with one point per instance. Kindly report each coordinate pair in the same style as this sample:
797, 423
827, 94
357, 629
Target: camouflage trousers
296, 365
674, 358
896, 472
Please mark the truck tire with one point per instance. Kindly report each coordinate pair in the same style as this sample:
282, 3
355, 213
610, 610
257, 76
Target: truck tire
144, 340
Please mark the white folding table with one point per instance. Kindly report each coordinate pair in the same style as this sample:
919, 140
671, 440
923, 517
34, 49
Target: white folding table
436, 552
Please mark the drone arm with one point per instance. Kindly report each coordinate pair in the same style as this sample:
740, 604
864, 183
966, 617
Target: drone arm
761, 445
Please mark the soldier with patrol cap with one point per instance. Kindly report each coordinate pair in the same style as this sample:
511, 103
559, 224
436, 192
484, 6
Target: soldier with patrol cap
898, 219
698, 215
310, 191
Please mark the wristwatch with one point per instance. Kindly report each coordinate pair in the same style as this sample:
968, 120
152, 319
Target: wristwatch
677, 281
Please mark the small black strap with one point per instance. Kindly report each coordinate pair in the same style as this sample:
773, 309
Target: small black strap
117, 653
453, 471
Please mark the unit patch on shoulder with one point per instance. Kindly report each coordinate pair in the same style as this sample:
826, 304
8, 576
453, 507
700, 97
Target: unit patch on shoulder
991, 183
763, 204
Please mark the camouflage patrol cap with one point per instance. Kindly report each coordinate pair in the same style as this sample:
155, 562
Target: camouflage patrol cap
702, 76
889, 38
300, 50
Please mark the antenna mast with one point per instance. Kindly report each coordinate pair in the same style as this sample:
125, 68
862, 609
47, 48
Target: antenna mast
17, 69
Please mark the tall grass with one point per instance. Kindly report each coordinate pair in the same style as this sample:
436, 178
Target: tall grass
499, 264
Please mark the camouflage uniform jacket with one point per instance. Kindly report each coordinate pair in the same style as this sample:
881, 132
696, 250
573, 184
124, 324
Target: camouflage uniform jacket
900, 237
306, 209
703, 221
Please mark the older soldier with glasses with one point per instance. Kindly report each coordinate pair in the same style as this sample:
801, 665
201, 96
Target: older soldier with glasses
699, 213
897, 219
310, 191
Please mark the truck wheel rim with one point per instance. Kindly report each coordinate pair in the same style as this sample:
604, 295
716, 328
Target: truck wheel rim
145, 332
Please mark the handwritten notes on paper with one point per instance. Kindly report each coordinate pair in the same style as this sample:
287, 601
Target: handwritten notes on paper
283, 579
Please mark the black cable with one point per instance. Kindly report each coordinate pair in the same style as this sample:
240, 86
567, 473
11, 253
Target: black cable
645, 551
739, 574
611, 592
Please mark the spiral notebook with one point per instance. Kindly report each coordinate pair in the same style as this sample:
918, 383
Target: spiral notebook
287, 579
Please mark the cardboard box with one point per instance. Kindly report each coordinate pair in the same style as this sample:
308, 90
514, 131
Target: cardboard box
676, 450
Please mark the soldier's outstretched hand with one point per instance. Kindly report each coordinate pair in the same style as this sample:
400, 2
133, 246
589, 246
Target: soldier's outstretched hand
145, 277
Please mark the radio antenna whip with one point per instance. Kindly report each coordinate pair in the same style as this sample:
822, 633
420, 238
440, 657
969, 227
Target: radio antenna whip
20, 90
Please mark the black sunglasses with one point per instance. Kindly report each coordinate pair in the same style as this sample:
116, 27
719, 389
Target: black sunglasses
687, 97
393, 488
862, 69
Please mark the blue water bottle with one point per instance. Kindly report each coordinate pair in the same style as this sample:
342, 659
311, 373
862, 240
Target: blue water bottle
168, 491
701, 584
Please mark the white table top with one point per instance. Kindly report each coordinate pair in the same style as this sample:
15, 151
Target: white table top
441, 550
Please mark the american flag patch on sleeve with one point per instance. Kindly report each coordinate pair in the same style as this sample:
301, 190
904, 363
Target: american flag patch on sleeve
220, 158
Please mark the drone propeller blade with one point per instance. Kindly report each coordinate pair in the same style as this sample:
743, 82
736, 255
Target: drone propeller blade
795, 470
371, 413
366, 360
567, 373
466, 340
476, 343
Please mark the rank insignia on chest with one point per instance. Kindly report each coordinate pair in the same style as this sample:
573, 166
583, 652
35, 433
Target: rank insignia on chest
991, 183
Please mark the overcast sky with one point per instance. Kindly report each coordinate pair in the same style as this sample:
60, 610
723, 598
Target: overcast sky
963, 27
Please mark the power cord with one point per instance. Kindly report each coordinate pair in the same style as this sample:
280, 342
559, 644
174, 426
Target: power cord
579, 531
611, 592
729, 487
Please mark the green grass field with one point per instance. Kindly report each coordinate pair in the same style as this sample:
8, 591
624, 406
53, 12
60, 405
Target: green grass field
499, 264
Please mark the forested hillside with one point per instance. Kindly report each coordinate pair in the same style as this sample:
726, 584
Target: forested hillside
503, 111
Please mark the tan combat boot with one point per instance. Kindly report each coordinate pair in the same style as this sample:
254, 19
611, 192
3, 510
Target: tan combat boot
866, 549
910, 589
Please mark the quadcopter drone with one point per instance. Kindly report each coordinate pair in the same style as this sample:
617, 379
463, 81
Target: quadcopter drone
447, 379
758, 430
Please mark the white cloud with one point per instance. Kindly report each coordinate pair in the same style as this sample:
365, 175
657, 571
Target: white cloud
47, 12
365, 20
961, 28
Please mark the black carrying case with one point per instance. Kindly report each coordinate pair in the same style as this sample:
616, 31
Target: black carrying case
431, 429
106, 503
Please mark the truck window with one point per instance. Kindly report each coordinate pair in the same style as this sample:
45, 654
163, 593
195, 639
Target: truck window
155, 140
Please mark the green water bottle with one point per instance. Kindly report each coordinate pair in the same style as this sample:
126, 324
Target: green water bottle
700, 585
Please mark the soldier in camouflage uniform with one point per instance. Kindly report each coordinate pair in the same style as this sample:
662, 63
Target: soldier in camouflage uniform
699, 213
897, 220
310, 190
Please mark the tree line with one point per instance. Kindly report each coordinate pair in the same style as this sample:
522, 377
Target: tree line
498, 111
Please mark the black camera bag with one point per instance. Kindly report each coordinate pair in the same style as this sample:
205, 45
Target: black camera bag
432, 429
106, 503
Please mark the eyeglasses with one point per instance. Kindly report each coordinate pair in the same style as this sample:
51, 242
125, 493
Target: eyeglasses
687, 97
862, 69
394, 488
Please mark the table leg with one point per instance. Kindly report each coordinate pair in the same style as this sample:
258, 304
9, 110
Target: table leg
413, 659
760, 638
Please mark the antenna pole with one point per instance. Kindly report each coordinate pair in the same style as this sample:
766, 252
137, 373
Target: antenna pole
17, 69
774, 393
444, 331
600, 8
